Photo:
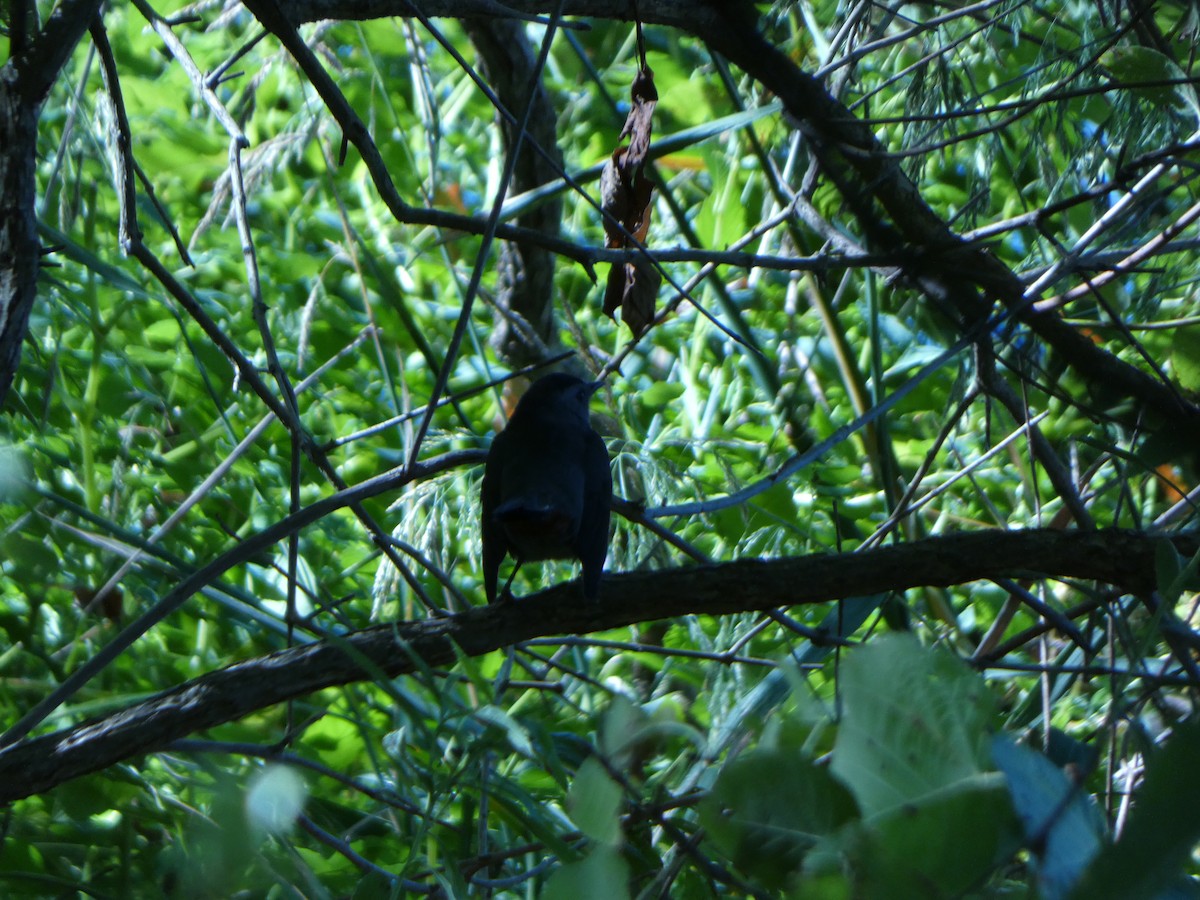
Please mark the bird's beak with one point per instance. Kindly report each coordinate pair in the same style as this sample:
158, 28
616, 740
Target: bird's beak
594, 386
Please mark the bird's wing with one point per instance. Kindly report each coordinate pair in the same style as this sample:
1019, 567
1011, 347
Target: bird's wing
593, 523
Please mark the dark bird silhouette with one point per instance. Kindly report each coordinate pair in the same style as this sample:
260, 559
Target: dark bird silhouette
547, 485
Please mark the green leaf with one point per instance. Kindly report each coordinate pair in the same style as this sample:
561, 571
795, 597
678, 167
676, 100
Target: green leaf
162, 333
681, 95
1185, 357
601, 875
33, 559
1172, 574
14, 474
339, 740
1059, 819
623, 727
594, 802
514, 731
915, 724
721, 219
111, 275
770, 808
1134, 64
660, 394
941, 846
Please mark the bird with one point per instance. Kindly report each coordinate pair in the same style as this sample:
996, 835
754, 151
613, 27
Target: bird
547, 485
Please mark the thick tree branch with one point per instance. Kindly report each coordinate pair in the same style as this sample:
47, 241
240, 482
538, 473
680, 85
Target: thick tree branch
526, 271
25, 79
38, 66
1122, 558
684, 14
19, 246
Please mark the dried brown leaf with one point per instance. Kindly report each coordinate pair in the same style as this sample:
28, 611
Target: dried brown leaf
614, 200
625, 195
632, 288
639, 124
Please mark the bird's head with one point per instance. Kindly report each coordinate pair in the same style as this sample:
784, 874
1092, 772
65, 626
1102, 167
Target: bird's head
557, 395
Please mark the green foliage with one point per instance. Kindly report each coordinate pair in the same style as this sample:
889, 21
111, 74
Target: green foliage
914, 724
772, 810
1185, 357
1162, 833
906, 804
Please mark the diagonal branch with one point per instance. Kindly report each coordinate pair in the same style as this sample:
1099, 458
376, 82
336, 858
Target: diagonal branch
525, 271
351, 497
892, 213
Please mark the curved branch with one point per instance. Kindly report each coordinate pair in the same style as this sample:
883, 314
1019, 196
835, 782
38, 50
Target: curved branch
1122, 558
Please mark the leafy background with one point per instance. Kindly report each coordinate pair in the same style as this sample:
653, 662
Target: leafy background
740, 755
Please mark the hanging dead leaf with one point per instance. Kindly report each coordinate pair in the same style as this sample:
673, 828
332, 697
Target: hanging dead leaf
639, 124
632, 288
614, 201
625, 195
625, 192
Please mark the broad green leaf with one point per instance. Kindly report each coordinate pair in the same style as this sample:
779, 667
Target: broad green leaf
769, 808
660, 394
915, 723
1185, 357
1144, 68
601, 875
594, 802
940, 846
1058, 818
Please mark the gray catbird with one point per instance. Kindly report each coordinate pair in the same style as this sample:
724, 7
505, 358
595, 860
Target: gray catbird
547, 485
